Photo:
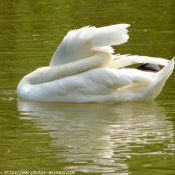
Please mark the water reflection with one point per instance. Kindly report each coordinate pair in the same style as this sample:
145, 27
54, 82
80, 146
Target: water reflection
98, 137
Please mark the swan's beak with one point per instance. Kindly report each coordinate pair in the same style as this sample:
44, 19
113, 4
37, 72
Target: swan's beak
149, 67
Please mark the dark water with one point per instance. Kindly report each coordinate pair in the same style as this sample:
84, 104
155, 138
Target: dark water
126, 138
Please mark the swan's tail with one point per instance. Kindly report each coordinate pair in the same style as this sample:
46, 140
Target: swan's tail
165, 72
160, 79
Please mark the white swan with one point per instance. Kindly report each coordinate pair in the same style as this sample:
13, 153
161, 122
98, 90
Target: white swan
84, 69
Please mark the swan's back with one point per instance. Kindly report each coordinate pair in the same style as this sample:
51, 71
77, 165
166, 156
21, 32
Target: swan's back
82, 43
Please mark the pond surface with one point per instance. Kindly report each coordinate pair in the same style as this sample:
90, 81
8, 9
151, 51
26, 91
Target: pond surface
120, 139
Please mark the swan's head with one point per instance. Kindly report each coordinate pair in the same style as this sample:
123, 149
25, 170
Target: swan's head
149, 67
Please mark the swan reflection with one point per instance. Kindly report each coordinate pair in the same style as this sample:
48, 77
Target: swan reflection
98, 137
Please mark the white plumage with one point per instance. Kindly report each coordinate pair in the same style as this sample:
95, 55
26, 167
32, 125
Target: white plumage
84, 69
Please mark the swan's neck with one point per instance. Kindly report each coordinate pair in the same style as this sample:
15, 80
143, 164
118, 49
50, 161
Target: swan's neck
46, 74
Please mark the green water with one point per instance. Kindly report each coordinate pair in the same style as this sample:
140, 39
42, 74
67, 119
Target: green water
126, 138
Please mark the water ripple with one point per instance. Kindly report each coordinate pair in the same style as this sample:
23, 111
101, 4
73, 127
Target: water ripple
102, 138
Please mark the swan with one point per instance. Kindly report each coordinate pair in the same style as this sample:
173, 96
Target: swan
85, 69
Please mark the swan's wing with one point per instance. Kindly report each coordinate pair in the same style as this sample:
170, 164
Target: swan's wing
126, 60
101, 81
82, 43
106, 85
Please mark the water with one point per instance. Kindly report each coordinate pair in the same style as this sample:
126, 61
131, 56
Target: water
125, 138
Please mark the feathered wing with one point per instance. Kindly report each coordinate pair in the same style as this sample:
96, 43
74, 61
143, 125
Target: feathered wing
95, 85
126, 60
127, 84
82, 43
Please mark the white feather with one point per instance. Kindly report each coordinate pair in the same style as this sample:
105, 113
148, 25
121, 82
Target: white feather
82, 43
126, 60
